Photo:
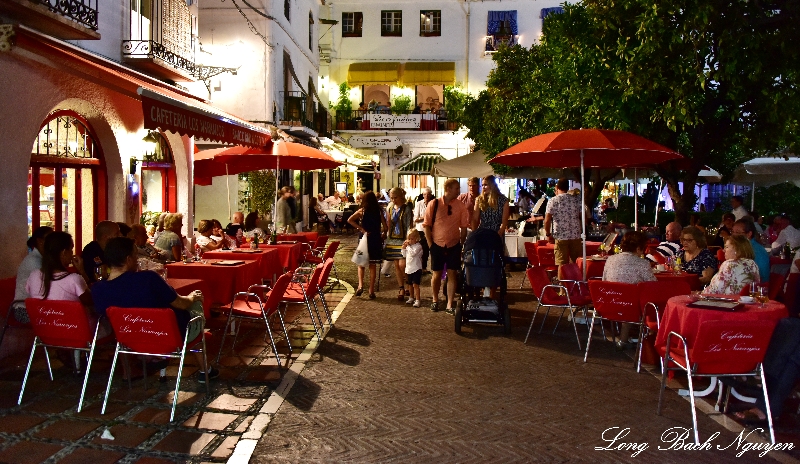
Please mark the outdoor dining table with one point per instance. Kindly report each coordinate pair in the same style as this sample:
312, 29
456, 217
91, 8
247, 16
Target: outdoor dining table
594, 266
692, 279
290, 255
222, 281
684, 319
187, 286
305, 237
592, 248
332, 214
268, 261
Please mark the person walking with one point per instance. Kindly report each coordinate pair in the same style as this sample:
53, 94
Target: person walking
369, 220
491, 208
398, 220
284, 222
446, 222
562, 224
419, 216
474, 189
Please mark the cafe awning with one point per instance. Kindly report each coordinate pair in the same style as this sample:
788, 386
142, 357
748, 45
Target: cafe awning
429, 73
377, 73
164, 106
421, 164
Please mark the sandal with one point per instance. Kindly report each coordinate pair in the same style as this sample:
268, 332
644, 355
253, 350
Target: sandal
359, 291
402, 295
749, 417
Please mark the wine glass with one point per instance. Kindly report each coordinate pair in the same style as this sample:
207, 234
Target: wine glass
763, 295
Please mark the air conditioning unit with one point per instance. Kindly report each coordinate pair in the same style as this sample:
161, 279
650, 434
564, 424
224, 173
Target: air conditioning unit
403, 150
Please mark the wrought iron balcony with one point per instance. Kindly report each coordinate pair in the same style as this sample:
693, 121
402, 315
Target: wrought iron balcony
150, 50
65, 19
298, 110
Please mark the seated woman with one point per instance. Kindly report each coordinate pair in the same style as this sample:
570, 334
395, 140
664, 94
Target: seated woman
127, 288
738, 270
695, 257
629, 267
170, 239
218, 235
318, 217
30, 263
251, 228
204, 230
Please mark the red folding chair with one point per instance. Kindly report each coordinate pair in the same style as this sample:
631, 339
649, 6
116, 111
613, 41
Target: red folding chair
721, 255
790, 294
304, 289
326, 272
615, 302
533, 258
776, 283
317, 249
547, 256
153, 332
556, 296
60, 324
259, 303
330, 253
721, 349
653, 298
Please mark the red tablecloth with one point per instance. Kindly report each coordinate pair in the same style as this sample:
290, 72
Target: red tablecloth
221, 281
429, 122
594, 268
268, 261
305, 237
289, 254
680, 318
592, 248
692, 279
187, 286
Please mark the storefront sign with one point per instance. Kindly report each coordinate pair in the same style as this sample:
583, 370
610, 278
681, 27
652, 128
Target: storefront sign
162, 115
394, 121
388, 143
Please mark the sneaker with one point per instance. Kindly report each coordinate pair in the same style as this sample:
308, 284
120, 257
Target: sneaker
410, 300
416, 303
450, 311
212, 374
435, 306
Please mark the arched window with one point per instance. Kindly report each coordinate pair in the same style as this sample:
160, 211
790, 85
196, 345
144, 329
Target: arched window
310, 31
287, 7
67, 178
158, 181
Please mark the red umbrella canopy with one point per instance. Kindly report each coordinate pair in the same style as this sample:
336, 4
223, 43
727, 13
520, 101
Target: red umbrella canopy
292, 156
601, 148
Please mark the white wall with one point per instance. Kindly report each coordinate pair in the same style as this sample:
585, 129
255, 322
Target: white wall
210, 199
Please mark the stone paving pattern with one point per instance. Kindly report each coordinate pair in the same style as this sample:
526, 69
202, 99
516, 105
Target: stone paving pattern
392, 383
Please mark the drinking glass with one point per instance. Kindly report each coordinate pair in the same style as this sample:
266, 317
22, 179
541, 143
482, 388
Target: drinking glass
763, 295
753, 290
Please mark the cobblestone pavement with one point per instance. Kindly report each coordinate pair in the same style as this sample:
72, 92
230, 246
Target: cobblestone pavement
392, 383
47, 428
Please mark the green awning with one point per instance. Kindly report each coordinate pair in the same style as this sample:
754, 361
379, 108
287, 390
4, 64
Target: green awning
422, 164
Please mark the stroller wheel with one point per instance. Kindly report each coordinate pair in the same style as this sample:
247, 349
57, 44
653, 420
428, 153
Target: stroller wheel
457, 317
506, 320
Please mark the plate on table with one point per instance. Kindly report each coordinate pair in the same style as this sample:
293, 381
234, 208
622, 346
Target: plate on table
719, 304
227, 262
287, 242
240, 250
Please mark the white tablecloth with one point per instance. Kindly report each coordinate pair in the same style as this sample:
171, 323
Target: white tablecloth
332, 214
516, 245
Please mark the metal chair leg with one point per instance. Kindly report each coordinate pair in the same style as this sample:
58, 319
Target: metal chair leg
589, 341
28, 370
575, 326
110, 379
224, 332
538, 305
761, 376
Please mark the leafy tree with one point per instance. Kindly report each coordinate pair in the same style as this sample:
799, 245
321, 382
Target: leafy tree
715, 80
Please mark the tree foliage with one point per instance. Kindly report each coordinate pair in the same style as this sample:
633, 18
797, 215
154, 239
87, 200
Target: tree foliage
715, 80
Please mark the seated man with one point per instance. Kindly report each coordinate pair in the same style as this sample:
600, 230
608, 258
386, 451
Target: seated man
671, 246
334, 201
127, 288
323, 205
139, 235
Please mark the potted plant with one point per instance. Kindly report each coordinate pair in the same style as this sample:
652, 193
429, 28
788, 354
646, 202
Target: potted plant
343, 107
401, 104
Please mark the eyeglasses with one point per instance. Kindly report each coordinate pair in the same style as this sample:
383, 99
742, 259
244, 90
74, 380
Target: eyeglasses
449, 210
687, 240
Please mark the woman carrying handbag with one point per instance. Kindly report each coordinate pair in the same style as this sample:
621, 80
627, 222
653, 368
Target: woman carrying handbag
369, 221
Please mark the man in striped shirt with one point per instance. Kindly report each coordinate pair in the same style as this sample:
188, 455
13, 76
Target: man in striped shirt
671, 246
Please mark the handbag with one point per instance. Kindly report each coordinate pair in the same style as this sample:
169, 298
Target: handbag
361, 255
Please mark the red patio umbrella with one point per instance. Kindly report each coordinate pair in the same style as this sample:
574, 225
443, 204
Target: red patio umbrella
594, 148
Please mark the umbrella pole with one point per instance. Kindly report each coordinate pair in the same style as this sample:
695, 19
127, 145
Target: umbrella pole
636, 199
658, 197
583, 216
228, 187
753, 197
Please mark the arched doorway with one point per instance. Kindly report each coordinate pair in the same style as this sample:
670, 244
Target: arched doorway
67, 177
158, 180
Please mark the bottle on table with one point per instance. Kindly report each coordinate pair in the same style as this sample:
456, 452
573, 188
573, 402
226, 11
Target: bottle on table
239, 238
198, 252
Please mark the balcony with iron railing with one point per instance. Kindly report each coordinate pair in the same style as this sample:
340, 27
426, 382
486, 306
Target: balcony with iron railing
300, 111
63, 19
162, 39
388, 119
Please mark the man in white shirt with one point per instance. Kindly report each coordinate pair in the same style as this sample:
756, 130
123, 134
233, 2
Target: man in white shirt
737, 203
322, 202
788, 234
333, 201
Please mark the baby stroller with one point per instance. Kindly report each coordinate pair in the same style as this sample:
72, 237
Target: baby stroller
483, 267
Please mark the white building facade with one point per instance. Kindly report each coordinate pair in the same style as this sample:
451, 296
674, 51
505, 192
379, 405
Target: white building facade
385, 50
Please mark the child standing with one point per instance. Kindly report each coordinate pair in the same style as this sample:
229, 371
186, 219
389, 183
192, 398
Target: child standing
412, 252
